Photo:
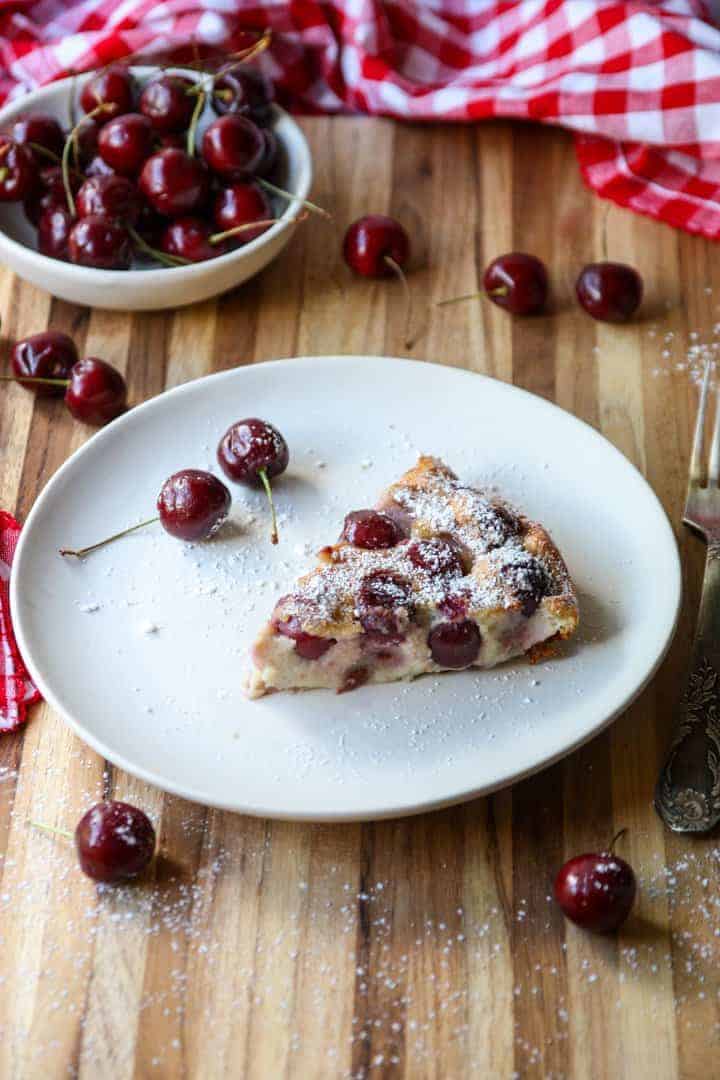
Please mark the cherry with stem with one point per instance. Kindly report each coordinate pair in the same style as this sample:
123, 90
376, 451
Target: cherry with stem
71, 144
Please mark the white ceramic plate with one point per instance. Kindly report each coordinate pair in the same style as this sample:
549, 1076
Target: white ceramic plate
168, 705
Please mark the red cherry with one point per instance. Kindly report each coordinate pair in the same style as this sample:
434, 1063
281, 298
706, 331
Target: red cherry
241, 204
246, 92
371, 241
455, 645
97, 392
97, 167
174, 183
18, 171
167, 104
54, 229
101, 243
610, 292
309, 646
384, 603
189, 238
115, 842
527, 581
49, 195
436, 557
252, 451
126, 142
371, 529
270, 153
233, 147
596, 890
41, 129
193, 504
48, 355
517, 282
113, 87
86, 139
112, 197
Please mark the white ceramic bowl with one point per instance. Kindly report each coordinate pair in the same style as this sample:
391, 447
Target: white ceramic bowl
149, 289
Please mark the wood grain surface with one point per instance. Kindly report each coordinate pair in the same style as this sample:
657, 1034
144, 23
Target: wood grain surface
424, 947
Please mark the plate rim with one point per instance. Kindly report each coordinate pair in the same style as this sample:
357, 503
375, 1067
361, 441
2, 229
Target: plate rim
389, 812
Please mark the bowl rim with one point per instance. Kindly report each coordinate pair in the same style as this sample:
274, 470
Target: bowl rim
17, 107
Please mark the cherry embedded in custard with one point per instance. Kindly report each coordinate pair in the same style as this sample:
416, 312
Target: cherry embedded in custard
309, 646
252, 451
373, 243
455, 644
193, 504
517, 282
115, 842
233, 147
48, 355
384, 604
114, 88
167, 104
174, 183
18, 171
112, 196
126, 142
100, 242
610, 292
40, 130
436, 557
596, 890
371, 529
96, 393
527, 580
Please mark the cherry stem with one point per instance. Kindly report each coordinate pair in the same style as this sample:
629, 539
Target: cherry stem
398, 272
292, 198
3, 173
80, 553
160, 256
268, 491
50, 829
457, 299
194, 121
217, 238
44, 152
35, 379
71, 143
616, 837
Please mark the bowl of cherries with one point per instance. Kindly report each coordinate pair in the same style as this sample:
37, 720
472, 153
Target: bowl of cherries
143, 188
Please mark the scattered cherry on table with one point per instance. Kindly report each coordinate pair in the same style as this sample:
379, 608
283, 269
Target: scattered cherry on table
609, 291
115, 842
596, 890
253, 451
377, 246
518, 283
48, 355
96, 392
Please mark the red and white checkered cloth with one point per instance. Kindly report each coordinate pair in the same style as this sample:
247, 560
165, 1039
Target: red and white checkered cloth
639, 82
16, 688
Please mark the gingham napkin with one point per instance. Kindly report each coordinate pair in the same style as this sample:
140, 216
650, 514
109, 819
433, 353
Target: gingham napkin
16, 688
638, 82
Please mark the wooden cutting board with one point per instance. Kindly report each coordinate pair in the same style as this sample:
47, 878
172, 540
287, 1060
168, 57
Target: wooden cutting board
425, 947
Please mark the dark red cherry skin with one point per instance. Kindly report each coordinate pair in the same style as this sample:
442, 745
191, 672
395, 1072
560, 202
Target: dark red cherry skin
193, 504
189, 237
249, 446
113, 87
49, 194
97, 392
436, 557
246, 92
610, 292
455, 644
18, 171
48, 355
167, 104
371, 529
86, 141
54, 229
241, 204
100, 242
596, 891
112, 197
126, 142
150, 226
271, 152
115, 842
41, 129
174, 183
517, 282
371, 240
384, 604
233, 147
527, 580
97, 167
309, 646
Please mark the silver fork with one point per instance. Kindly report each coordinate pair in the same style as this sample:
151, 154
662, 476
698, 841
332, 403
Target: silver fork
687, 795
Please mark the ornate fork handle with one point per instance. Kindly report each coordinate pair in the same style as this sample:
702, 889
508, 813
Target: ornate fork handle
687, 796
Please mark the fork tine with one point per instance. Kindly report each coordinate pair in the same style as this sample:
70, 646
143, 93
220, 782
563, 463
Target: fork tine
696, 459
714, 462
